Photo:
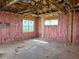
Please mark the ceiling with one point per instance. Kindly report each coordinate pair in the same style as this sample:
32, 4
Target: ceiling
38, 7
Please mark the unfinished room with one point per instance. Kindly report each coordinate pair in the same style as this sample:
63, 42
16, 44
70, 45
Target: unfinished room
39, 29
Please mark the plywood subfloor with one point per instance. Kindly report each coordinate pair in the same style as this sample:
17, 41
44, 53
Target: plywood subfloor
39, 49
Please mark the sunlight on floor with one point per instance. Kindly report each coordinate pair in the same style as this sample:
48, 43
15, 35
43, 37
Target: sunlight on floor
41, 41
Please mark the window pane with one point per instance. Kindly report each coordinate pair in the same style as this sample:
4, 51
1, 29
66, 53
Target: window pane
31, 26
25, 26
25, 29
54, 22
31, 23
25, 22
51, 22
47, 22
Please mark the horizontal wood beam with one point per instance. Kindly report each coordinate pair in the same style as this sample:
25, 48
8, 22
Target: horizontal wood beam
23, 11
12, 2
9, 4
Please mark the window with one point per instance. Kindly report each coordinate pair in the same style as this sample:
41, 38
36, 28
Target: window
28, 26
51, 22
31, 26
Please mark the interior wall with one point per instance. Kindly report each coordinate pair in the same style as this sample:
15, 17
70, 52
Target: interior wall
58, 32
76, 28
14, 31
65, 31
39, 26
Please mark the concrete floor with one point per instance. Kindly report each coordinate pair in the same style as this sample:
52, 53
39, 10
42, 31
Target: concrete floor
38, 49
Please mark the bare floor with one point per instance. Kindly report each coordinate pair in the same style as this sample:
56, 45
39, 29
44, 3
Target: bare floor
38, 49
